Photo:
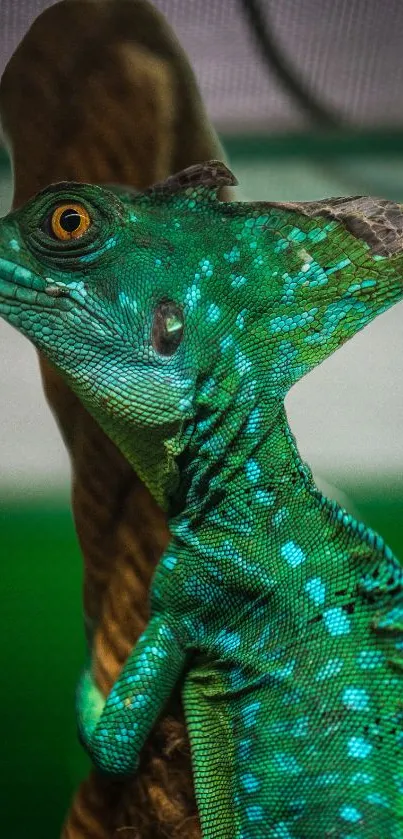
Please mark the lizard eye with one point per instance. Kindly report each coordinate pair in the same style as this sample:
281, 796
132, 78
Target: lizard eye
69, 221
167, 328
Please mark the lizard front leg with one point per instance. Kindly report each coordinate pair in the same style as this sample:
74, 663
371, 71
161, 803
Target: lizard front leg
114, 730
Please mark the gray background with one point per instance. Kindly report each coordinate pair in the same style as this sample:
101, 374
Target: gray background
348, 51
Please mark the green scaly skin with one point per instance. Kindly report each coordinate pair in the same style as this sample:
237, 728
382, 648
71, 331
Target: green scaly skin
181, 323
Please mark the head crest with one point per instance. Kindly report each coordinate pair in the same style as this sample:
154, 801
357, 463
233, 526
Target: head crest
204, 178
376, 221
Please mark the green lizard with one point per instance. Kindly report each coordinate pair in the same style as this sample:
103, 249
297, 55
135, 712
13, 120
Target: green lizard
181, 322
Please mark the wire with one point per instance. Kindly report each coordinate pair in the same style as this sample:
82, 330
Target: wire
319, 113
277, 63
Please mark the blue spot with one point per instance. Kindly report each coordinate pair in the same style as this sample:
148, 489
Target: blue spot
233, 255
339, 265
249, 714
359, 747
208, 387
317, 234
252, 470
237, 280
244, 749
337, 622
370, 659
296, 235
228, 641
292, 697
258, 260
331, 668
253, 421
250, 782
316, 589
169, 562
240, 319
125, 300
281, 831
281, 245
242, 363
264, 497
361, 778
226, 342
14, 245
192, 297
355, 698
293, 554
377, 798
284, 672
327, 779
287, 763
350, 814
300, 727
254, 813
206, 267
213, 313
184, 404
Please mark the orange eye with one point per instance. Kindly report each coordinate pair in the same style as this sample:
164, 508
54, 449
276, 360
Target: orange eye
69, 221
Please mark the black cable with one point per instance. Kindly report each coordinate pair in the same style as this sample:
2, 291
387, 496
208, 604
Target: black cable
277, 62
320, 114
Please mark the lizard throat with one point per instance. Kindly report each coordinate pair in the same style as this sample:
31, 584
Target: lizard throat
236, 470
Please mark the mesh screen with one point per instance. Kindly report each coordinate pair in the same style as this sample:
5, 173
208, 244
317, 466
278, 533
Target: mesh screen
344, 58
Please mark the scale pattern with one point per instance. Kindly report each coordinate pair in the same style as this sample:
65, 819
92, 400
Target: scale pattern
181, 323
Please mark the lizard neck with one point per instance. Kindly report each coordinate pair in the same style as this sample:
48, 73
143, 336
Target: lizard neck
251, 512
236, 469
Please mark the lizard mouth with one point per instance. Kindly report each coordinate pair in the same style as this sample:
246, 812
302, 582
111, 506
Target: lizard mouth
21, 287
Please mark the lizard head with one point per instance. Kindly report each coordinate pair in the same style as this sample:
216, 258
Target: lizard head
166, 307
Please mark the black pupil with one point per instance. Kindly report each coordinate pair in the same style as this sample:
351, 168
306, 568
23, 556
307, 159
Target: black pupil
70, 220
167, 330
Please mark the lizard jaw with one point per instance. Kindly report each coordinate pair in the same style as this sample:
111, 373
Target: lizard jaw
22, 289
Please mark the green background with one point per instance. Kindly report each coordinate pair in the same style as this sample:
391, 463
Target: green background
42, 652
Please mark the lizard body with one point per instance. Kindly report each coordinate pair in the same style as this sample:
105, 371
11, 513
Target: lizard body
181, 323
